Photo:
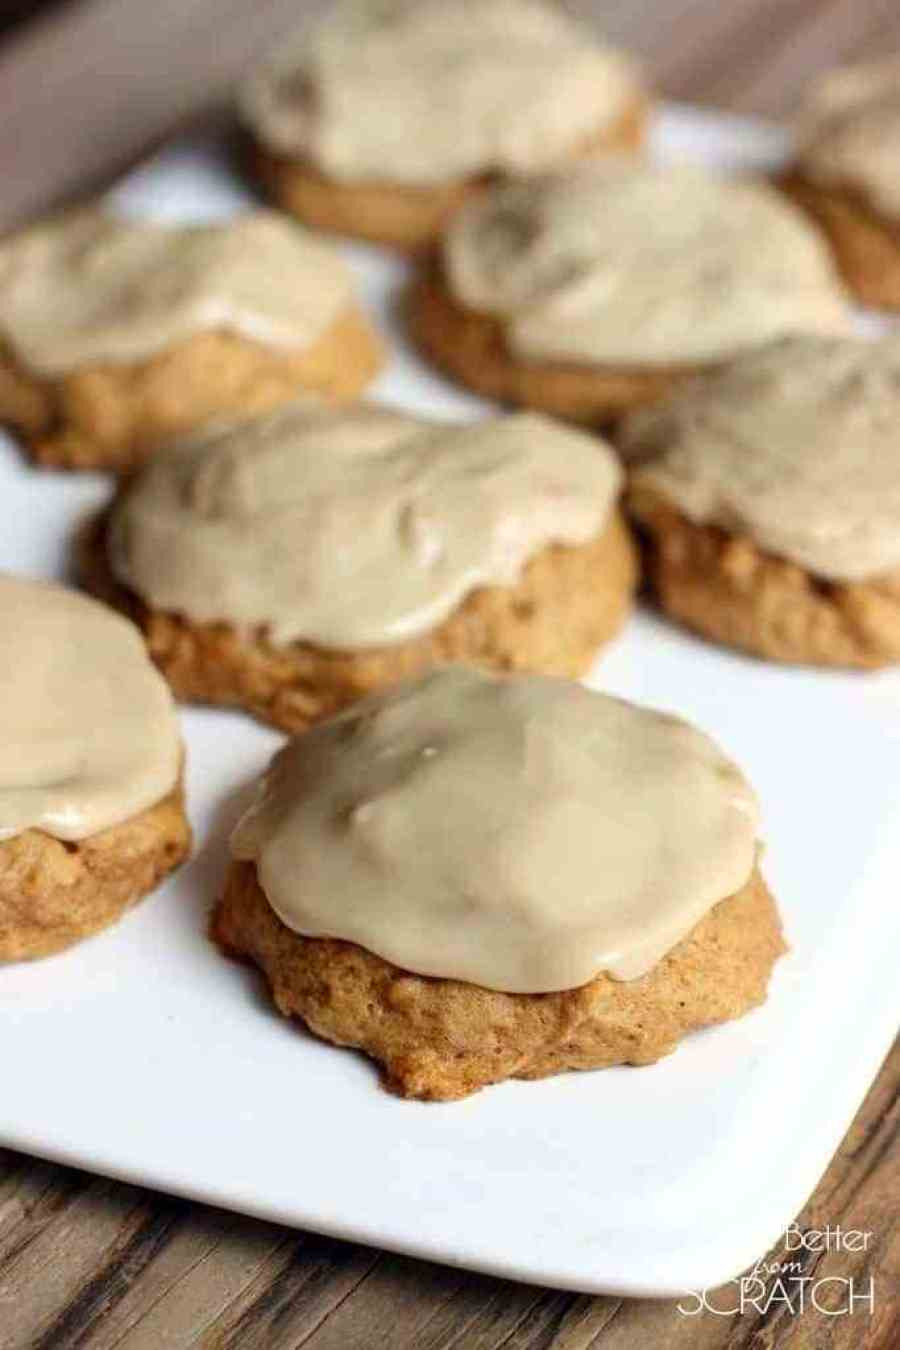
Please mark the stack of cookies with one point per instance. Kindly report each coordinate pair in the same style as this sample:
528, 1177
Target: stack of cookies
462, 861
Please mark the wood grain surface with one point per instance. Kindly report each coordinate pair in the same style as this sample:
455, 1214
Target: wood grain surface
92, 1264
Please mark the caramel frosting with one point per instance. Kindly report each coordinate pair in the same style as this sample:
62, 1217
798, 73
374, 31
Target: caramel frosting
796, 446
422, 91
615, 263
87, 724
87, 287
354, 527
849, 133
518, 832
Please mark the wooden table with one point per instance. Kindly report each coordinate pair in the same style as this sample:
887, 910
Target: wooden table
92, 1264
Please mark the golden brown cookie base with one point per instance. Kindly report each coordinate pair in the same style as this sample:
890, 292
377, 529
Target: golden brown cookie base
441, 1039
567, 603
866, 246
404, 217
730, 591
112, 416
472, 348
53, 893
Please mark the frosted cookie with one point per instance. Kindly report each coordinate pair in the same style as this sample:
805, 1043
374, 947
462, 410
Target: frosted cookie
392, 112
588, 292
297, 562
91, 809
847, 174
770, 493
476, 877
115, 334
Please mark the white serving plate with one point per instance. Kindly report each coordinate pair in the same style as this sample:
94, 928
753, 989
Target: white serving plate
143, 1055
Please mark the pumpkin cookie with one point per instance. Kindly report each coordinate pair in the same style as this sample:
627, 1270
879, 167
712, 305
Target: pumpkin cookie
297, 562
493, 88
115, 335
846, 174
589, 292
770, 494
423, 878
91, 808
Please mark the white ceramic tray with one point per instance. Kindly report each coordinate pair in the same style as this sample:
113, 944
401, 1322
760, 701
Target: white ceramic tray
143, 1055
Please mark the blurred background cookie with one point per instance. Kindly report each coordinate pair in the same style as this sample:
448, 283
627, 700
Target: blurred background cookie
385, 117
291, 564
847, 174
594, 290
117, 334
770, 493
